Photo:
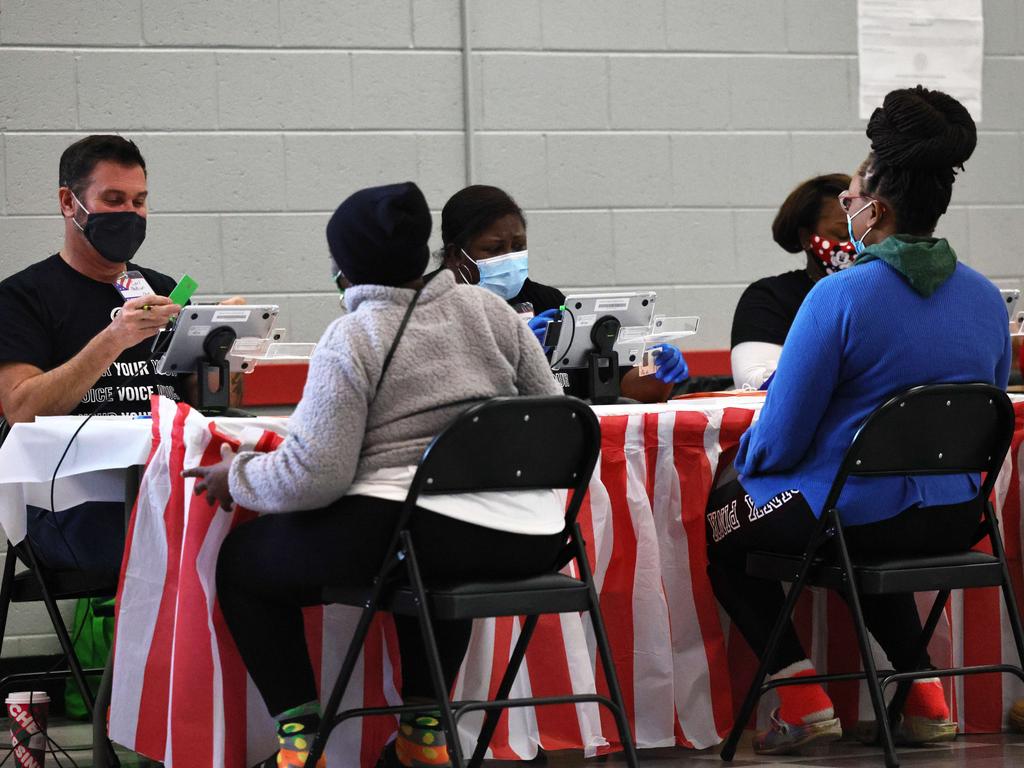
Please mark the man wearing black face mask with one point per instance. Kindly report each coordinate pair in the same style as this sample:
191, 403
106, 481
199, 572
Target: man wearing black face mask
74, 337
77, 330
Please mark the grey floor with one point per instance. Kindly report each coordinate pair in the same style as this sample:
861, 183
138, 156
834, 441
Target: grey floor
993, 751
76, 740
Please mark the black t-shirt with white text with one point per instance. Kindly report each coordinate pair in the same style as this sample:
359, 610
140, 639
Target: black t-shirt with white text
49, 312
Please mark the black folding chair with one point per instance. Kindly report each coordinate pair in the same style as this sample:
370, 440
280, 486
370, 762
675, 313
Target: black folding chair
504, 444
40, 584
928, 430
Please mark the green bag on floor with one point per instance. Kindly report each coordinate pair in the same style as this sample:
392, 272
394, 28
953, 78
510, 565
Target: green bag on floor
92, 635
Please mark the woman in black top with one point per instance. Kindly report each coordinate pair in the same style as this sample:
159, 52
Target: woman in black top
812, 221
484, 235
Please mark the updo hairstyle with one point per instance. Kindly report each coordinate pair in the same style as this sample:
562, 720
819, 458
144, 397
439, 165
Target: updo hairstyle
918, 140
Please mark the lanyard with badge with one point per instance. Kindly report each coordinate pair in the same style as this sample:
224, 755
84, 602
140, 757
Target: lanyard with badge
132, 284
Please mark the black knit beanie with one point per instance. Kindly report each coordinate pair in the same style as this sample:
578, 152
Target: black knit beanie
379, 235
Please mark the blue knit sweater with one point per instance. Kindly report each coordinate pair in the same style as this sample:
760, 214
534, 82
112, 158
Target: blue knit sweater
860, 336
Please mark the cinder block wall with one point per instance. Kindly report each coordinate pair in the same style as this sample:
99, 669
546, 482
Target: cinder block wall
649, 141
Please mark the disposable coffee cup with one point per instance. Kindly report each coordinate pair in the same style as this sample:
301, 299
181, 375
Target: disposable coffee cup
28, 711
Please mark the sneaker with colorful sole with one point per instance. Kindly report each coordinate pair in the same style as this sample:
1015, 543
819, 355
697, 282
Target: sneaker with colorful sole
781, 738
910, 732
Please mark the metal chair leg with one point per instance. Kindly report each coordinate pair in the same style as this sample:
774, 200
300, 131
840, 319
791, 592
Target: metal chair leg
604, 649
1013, 614
874, 688
103, 755
903, 688
1007, 586
10, 563
754, 692
492, 716
61, 630
433, 657
327, 721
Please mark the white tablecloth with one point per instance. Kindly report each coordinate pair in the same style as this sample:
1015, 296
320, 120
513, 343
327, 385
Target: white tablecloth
94, 467
95, 464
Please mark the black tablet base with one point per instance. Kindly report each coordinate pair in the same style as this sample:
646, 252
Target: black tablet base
214, 364
603, 363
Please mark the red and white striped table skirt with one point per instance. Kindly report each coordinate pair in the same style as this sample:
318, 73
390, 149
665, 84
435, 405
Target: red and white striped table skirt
181, 694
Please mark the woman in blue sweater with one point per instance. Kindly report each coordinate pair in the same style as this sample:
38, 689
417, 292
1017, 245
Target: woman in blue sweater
907, 314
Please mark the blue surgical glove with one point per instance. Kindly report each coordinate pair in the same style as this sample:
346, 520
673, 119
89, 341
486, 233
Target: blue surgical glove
672, 367
539, 323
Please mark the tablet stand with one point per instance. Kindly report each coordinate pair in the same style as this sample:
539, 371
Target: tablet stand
214, 362
603, 362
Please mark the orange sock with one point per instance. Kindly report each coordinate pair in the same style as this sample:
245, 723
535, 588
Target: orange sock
802, 703
927, 699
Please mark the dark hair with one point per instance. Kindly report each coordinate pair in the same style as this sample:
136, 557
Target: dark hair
78, 161
918, 137
472, 210
802, 208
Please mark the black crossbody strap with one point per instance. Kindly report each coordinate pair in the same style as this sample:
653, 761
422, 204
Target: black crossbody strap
398, 337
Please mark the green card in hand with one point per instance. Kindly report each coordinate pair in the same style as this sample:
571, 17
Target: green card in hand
183, 291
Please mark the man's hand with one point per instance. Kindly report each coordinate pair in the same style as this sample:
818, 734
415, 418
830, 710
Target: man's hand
139, 319
213, 479
233, 301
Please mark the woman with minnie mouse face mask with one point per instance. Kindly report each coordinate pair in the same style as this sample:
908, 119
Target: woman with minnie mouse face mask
810, 221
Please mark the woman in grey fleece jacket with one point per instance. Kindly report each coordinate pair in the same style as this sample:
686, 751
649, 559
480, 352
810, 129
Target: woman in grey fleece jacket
462, 345
356, 431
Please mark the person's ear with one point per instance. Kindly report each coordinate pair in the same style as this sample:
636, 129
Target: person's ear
447, 254
874, 214
804, 234
67, 202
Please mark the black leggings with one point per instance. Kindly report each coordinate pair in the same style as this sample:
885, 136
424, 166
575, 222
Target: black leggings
734, 528
271, 567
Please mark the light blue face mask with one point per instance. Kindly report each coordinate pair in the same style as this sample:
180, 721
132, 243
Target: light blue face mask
858, 245
503, 275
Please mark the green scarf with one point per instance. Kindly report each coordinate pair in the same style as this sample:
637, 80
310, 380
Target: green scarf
926, 262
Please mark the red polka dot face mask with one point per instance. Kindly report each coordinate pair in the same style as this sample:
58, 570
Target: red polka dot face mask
833, 254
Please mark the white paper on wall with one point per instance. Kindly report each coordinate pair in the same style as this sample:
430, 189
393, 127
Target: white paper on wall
935, 43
